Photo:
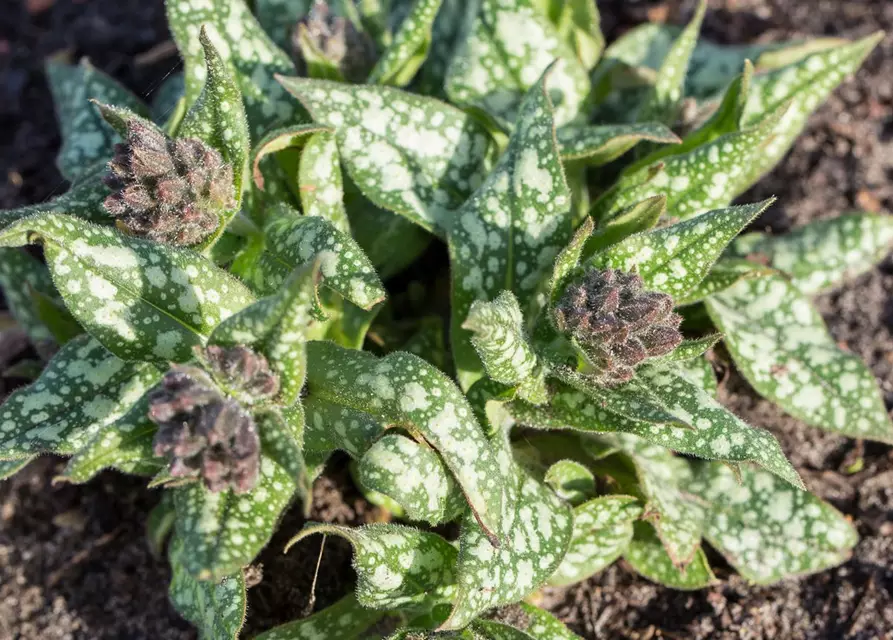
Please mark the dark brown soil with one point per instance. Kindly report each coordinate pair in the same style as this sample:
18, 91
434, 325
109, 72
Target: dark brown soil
73, 561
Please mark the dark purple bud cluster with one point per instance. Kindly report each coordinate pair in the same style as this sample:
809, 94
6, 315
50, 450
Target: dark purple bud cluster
244, 372
616, 323
337, 40
170, 191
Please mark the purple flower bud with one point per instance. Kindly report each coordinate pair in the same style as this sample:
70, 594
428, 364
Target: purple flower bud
335, 39
241, 370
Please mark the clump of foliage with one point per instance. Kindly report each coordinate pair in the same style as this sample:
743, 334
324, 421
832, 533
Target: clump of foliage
219, 302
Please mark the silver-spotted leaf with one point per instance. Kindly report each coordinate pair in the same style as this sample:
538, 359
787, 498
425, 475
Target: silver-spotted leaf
597, 145
347, 619
83, 200
647, 556
320, 181
409, 154
779, 342
409, 48
334, 427
21, 276
725, 273
396, 566
572, 482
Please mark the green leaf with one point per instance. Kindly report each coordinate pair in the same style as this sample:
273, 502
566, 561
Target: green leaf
447, 34
9, 468
277, 327
347, 619
542, 625
21, 275
409, 48
404, 389
767, 530
217, 609
804, 84
125, 444
568, 259
579, 23
675, 259
725, 273
414, 477
571, 481
254, 58
665, 96
689, 349
508, 233
140, 299
83, 200
217, 117
292, 240
222, 532
510, 45
330, 427
52, 313
781, 345
413, 155
278, 18
396, 566
603, 528
647, 556
822, 254
282, 439
289, 138
700, 372
598, 145
82, 389
86, 138
541, 526
502, 346
320, 181
160, 523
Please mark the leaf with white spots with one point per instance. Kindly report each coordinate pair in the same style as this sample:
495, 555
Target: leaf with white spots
320, 181
217, 609
396, 566
694, 182
510, 45
508, 233
414, 477
8, 468
725, 273
540, 527
579, 22
125, 445
665, 95
663, 479
83, 200
647, 556
689, 349
282, 438
86, 138
779, 342
217, 117
333, 427
242, 43
571, 481
21, 275
347, 619
822, 254
277, 327
82, 389
140, 299
541, 625
223, 532
567, 261
767, 530
290, 139
700, 372
409, 154
447, 35
803, 85
160, 523
378, 231
500, 341
598, 145
279, 17
404, 389
675, 259
603, 528
399, 63
292, 240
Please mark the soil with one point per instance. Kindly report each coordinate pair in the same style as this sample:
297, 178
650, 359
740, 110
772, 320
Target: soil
73, 560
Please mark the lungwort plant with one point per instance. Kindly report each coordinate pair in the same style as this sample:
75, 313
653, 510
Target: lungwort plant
229, 294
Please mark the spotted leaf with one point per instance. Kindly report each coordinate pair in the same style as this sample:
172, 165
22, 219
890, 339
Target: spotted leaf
21, 275
82, 200
675, 259
404, 389
508, 233
725, 273
396, 566
222, 532
413, 155
603, 528
334, 427
292, 240
571, 481
86, 138
647, 556
767, 530
320, 182
502, 346
409, 48
82, 389
216, 608
378, 231
217, 116
509, 46
141, 300
414, 477
242, 43
347, 619
598, 145
779, 342
291, 138
821, 254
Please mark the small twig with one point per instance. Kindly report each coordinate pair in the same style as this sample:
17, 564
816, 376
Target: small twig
160, 51
312, 602
56, 576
